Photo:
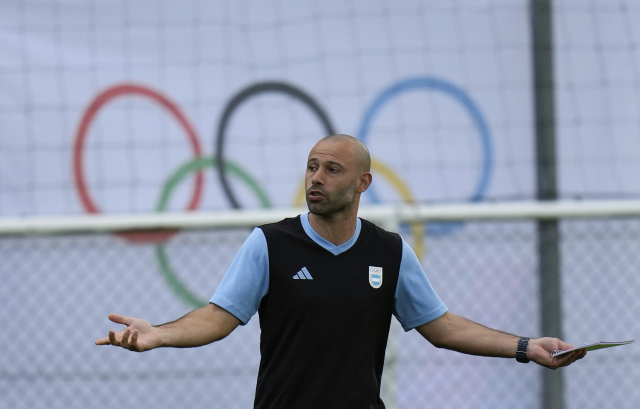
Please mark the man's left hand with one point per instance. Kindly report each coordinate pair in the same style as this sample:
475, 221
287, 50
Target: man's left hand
539, 351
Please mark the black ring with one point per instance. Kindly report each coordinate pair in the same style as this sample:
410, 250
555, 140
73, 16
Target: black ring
242, 96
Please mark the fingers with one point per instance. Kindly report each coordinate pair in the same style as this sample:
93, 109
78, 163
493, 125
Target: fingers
119, 319
571, 357
103, 341
124, 343
134, 340
563, 345
112, 338
128, 338
567, 359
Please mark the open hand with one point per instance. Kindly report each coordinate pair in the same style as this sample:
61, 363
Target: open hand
539, 351
138, 336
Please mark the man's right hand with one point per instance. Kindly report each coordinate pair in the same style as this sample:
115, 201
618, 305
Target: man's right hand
138, 336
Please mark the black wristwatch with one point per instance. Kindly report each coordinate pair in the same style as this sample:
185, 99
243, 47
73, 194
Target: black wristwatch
521, 352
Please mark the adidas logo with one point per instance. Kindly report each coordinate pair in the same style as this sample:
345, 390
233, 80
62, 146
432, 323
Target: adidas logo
303, 275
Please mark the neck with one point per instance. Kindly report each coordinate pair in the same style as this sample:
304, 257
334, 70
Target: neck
337, 228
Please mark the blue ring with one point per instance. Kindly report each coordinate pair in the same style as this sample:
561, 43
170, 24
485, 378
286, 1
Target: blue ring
456, 93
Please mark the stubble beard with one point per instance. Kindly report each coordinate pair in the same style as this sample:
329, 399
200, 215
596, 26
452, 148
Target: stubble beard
334, 203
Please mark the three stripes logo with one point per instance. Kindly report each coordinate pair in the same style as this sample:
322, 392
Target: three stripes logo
303, 275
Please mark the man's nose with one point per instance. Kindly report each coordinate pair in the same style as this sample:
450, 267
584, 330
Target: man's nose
318, 177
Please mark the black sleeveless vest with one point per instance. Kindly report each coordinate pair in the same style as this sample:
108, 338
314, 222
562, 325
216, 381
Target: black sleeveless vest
324, 325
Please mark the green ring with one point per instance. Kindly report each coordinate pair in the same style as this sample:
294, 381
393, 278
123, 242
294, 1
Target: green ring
172, 279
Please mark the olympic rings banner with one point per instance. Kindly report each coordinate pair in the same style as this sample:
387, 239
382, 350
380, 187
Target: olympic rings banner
101, 127
224, 166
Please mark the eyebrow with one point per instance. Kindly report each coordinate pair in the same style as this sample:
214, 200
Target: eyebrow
330, 162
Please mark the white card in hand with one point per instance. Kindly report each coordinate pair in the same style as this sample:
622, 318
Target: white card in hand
591, 347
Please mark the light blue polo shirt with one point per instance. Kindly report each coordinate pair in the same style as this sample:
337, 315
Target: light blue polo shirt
247, 280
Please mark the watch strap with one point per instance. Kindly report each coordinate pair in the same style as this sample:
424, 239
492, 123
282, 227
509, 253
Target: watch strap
521, 352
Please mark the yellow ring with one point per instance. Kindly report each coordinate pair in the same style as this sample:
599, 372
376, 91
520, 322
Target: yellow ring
376, 166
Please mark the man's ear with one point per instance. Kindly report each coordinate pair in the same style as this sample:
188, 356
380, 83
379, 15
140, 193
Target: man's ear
364, 181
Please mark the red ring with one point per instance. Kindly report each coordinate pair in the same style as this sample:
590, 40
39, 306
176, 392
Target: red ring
78, 148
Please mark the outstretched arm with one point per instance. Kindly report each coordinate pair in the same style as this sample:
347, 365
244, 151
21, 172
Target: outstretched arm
453, 332
199, 327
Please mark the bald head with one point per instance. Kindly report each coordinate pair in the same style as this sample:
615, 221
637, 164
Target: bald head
337, 174
362, 157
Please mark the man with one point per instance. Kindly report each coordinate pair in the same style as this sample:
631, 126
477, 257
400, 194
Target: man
325, 285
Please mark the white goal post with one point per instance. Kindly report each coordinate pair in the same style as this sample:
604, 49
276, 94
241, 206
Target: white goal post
387, 216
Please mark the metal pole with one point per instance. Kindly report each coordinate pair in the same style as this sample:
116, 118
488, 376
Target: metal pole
548, 234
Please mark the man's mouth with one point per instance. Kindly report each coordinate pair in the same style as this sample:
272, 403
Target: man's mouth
315, 194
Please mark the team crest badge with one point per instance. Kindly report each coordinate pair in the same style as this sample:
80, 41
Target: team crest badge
375, 276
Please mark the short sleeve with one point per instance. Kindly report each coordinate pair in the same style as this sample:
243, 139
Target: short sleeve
246, 280
416, 302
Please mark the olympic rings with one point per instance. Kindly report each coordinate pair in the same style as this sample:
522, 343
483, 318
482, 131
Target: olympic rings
78, 149
392, 177
218, 161
456, 93
241, 97
179, 288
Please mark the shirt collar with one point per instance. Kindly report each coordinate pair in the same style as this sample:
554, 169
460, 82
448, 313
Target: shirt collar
326, 244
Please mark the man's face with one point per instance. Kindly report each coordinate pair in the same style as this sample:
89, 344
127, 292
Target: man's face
331, 177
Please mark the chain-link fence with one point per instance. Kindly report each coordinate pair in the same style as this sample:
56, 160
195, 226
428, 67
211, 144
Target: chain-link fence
56, 293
